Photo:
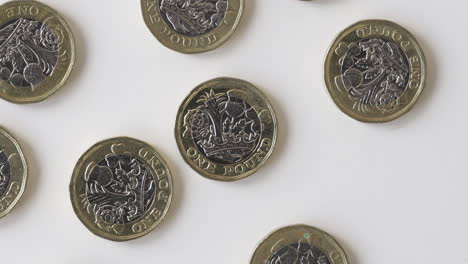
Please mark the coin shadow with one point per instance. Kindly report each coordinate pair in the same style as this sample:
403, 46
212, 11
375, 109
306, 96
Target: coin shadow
32, 183
350, 254
177, 201
430, 89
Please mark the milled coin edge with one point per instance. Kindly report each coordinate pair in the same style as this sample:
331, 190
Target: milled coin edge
204, 173
25, 172
393, 116
217, 44
292, 227
66, 77
75, 203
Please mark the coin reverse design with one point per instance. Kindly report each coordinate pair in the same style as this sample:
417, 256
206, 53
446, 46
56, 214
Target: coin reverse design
121, 189
375, 71
190, 26
13, 172
37, 51
299, 244
226, 129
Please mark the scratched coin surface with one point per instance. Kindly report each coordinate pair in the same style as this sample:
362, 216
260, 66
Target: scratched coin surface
299, 244
13, 172
37, 51
375, 71
192, 26
121, 189
226, 129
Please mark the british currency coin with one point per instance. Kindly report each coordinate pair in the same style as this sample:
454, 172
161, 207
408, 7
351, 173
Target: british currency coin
299, 244
226, 129
37, 51
13, 172
375, 71
121, 189
192, 26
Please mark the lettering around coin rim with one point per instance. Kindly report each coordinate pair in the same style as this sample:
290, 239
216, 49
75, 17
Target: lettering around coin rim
37, 51
13, 172
299, 244
192, 26
121, 189
226, 129
375, 71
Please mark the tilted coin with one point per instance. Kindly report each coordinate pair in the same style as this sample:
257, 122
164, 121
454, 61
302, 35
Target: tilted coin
299, 244
37, 51
13, 172
226, 129
189, 26
375, 71
121, 189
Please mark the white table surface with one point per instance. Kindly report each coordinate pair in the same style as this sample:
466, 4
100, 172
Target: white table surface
390, 193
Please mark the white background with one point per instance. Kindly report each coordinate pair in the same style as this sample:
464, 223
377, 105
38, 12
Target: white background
390, 193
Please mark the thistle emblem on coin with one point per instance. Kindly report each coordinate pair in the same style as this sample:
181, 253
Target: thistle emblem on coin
375, 72
119, 189
28, 52
223, 126
193, 17
4, 172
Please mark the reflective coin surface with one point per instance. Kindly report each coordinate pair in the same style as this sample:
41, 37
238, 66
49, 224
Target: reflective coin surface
226, 129
37, 51
299, 244
192, 26
13, 172
375, 71
121, 189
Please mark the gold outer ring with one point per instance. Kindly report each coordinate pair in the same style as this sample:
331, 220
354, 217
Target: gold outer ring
192, 44
288, 235
389, 31
19, 173
228, 172
155, 214
65, 62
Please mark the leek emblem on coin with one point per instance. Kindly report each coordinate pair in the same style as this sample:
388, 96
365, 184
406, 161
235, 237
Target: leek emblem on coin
226, 129
299, 244
121, 189
375, 71
13, 172
36, 51
192, 26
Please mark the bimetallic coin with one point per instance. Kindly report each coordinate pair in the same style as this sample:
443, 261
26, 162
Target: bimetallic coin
37, 51
375, 71
226, 129
299, 244
13, 172
121, 189
192, 26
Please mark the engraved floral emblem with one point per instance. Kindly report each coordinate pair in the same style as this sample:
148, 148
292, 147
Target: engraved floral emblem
28, 52
193, 17
299, 253
120, 188
375, 73
224, 126
5, 173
